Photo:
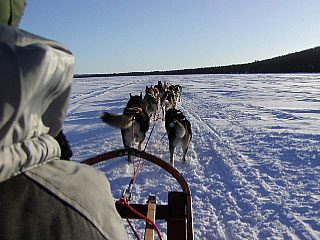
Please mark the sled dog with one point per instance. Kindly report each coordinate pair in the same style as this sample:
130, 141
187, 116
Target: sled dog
159, 87
179, 132
151, 102
168, 101
177, 90
133, 122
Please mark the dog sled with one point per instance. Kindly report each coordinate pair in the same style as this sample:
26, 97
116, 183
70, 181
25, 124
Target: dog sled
177, 213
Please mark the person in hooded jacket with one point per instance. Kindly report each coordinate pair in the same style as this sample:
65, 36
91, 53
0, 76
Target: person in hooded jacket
41, 195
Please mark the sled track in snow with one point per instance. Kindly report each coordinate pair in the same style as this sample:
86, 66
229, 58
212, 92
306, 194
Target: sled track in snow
91, 94
244, 186
248, 180
226, 174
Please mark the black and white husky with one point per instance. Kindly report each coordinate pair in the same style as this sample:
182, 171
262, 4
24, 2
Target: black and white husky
179, 132
134, 122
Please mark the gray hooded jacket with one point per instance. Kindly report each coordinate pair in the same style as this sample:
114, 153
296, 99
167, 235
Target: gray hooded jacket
35, 85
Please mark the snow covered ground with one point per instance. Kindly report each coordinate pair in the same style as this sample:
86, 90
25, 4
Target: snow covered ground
254, 163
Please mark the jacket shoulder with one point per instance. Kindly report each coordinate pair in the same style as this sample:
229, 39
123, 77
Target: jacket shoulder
84, 188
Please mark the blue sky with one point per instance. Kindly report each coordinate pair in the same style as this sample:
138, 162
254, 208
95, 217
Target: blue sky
108, 36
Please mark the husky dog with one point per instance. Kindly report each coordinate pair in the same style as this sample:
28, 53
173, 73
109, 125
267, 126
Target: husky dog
168, 101
159, 87
177, 90
166, 86
150, 91
134, 122
179, 132
151, 102
156, 93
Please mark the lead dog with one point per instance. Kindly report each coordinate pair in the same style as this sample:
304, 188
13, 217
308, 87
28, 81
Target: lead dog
179, 132
134, 122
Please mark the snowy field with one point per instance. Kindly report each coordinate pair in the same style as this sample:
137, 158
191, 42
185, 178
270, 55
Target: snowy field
254, 162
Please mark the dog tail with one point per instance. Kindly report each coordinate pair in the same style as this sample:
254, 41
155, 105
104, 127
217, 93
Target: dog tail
179, 129
117, 120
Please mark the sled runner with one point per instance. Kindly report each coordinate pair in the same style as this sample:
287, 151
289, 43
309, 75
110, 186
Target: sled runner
177, 213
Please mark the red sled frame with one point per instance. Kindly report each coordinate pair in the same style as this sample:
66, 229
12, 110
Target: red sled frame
178, 213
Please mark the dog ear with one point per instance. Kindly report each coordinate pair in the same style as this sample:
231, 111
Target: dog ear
141, 94
130, 95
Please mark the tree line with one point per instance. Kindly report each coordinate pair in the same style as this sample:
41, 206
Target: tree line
306, 61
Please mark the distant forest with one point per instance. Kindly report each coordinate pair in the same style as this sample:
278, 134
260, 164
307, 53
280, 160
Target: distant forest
307, 61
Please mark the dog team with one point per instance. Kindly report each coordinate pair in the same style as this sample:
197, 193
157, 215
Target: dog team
134, 122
